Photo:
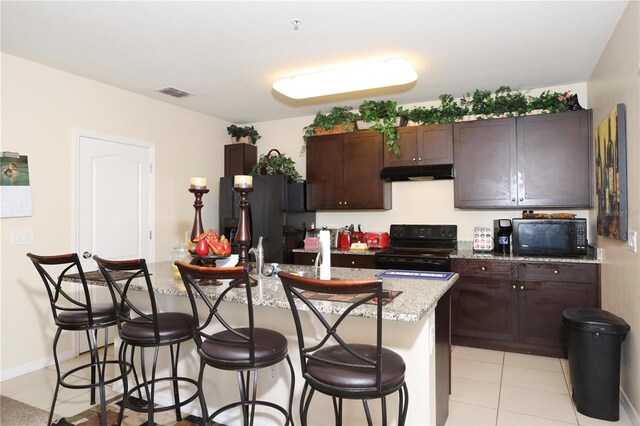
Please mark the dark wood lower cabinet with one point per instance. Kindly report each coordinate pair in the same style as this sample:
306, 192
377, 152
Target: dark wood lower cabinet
345, 260
522, 313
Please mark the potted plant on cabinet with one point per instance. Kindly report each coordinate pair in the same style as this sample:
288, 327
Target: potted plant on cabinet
340, 119
383, 117
245, 134
274, 163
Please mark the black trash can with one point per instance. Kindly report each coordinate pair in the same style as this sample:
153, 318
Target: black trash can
594, 339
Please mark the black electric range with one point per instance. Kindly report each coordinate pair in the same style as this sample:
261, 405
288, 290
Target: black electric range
419, 247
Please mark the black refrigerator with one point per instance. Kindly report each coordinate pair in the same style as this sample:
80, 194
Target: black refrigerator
277, 213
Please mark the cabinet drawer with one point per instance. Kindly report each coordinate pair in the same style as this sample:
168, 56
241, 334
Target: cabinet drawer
482, 268
353, 261
304, 258
566, 272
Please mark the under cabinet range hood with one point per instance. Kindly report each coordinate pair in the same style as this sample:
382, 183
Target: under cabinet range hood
427, 172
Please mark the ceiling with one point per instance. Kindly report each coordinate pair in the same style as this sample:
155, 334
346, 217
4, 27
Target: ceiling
229, 53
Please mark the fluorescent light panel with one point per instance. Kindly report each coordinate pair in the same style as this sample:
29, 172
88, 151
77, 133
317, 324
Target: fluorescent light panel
390, 72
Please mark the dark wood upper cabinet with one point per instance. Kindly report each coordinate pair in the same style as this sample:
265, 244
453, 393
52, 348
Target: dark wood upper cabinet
422, 145
533, 161
554, 159
343, 172
485, 163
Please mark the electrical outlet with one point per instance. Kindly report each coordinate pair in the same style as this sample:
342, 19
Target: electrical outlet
272, 374
22, 237
632, 241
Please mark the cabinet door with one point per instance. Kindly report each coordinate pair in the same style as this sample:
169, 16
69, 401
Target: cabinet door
365, 261
363, 158
485, 308
435, 144
554, 160
540, 309
408, 144
485, 163
325, 160
304, 258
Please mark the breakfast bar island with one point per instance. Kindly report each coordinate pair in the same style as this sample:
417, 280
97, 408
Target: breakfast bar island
415, 325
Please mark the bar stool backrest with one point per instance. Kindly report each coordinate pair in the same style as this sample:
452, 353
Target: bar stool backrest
204, 296
120, 292
368, 290
53, 270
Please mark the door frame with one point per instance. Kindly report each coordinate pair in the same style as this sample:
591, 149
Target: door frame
78, 134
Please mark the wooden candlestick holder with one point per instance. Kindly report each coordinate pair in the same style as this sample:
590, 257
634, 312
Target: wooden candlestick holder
243, 234
197, 228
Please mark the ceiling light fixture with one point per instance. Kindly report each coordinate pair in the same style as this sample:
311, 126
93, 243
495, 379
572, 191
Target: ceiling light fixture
371, 75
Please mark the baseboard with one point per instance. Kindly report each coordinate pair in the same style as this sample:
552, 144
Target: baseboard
629, 409
19, 370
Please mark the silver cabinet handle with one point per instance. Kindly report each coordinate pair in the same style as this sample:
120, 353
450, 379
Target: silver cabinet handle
513, 199
419, 158
353, 262
86, 255
556, 272
521, 199
413, 159
483, 268
521, 287
345, 203
513, 286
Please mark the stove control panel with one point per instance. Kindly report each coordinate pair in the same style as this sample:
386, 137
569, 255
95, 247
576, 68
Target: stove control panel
424, 232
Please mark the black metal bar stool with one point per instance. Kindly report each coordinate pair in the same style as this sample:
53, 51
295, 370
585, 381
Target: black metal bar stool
242, 349
77, 313
147, 330
338, 368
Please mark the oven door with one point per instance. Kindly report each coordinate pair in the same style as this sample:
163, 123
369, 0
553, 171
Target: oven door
412, 263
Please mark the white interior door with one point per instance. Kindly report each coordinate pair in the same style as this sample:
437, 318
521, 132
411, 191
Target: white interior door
114, 193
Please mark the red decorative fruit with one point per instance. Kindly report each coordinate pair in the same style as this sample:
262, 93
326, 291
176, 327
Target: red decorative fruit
202, 248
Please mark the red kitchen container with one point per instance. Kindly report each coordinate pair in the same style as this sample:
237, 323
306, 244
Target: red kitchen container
377, 239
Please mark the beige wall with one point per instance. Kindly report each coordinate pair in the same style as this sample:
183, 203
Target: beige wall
616, 80
41, 107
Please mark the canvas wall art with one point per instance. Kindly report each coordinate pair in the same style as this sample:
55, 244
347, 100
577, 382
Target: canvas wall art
611, 174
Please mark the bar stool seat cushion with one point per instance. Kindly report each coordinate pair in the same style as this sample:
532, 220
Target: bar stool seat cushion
270, 346
172, 325
102, 313
392, 367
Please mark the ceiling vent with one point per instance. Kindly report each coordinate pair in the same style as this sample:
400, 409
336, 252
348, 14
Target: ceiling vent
172, 91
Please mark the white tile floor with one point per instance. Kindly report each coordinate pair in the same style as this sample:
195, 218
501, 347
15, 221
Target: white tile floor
488, 388
503, 388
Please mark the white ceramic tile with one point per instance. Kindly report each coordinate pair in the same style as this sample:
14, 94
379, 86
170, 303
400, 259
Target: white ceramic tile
549, 381
468, 414
41, 396
537, 403
69, 364
475, 354
79, 404
507, 418
111, 370
532, 361
567, 375
476, 370
590, 421
475, 392
27, 381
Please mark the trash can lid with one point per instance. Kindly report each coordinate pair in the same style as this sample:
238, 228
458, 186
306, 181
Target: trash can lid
595, 320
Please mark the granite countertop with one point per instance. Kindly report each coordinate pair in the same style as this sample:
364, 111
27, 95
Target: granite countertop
368, 252
465, 251
418, 296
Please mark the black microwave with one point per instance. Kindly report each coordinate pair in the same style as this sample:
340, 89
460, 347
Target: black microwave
549, 237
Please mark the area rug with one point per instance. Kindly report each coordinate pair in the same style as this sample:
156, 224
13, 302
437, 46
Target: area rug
91, 417
16, 413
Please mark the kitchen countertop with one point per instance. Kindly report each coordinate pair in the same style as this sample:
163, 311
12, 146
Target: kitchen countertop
368, 252
465, 251
418, 296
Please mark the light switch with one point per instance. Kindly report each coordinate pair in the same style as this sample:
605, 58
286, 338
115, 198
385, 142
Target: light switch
632, 241
24, 236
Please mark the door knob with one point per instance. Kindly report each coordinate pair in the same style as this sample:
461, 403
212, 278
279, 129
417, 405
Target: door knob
86, 255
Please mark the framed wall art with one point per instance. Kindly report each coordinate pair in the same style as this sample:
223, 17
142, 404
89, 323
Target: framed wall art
611, 174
